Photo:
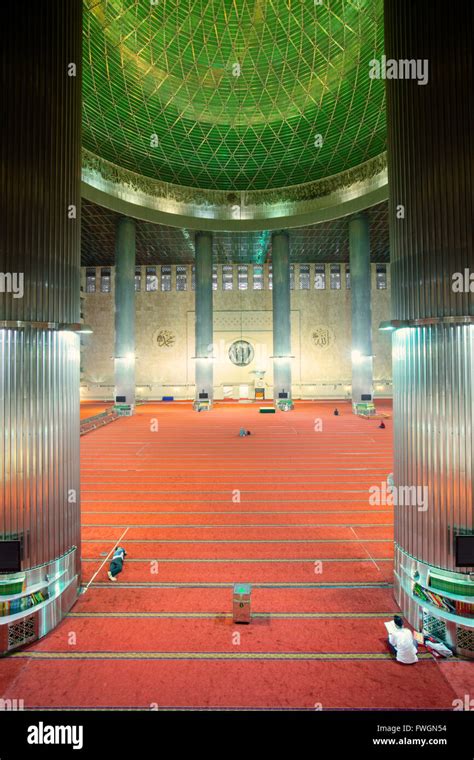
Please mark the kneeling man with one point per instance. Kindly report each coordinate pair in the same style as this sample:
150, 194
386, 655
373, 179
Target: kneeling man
402, 644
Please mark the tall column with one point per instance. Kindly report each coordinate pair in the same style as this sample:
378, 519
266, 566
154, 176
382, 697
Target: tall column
40, 144
361, 303
430, 152
125, 311
281, 315
203, 315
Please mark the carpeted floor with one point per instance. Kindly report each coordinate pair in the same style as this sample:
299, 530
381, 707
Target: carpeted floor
91, 408
198, 509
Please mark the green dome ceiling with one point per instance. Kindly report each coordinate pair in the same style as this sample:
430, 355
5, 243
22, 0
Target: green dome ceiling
169, 70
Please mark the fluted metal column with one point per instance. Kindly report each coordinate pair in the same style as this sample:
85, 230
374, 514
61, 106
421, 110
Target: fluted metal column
281, 314
204, 315
40, 141
125, 311
430, 152
361, 304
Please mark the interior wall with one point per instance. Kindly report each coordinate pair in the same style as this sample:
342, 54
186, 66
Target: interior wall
321, 339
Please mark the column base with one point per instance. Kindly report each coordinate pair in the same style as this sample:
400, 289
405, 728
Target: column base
436, 602
46, 594
125, 410
284, 404
363, 408
202, 405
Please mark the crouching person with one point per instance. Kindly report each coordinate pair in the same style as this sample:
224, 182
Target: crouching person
402, 644
116, 563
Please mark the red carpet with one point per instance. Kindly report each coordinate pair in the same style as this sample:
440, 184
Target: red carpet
91, 408
199, 508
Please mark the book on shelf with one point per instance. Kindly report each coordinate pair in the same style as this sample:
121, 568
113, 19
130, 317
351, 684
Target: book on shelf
438, 601
465, 608
13, 606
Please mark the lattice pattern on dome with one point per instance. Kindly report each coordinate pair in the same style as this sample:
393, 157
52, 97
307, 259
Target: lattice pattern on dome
329, 241
168, 70
159, 244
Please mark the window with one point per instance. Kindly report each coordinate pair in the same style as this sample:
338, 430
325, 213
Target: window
90, 280
381, 276
166, 277
193, 277
138, 279
258, 277
335, 277
243, 276
227, 277
304, 276
292, 276
151, 279
105, 280
270, 277
214, 277
348, 277
181, 278
320, 277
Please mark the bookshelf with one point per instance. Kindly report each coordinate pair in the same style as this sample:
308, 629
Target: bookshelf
31, 597
34, 599
454, 607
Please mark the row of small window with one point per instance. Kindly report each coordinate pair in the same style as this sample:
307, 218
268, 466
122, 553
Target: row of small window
304, 277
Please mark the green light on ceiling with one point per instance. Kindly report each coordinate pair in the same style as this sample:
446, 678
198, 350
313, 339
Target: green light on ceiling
169, 70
